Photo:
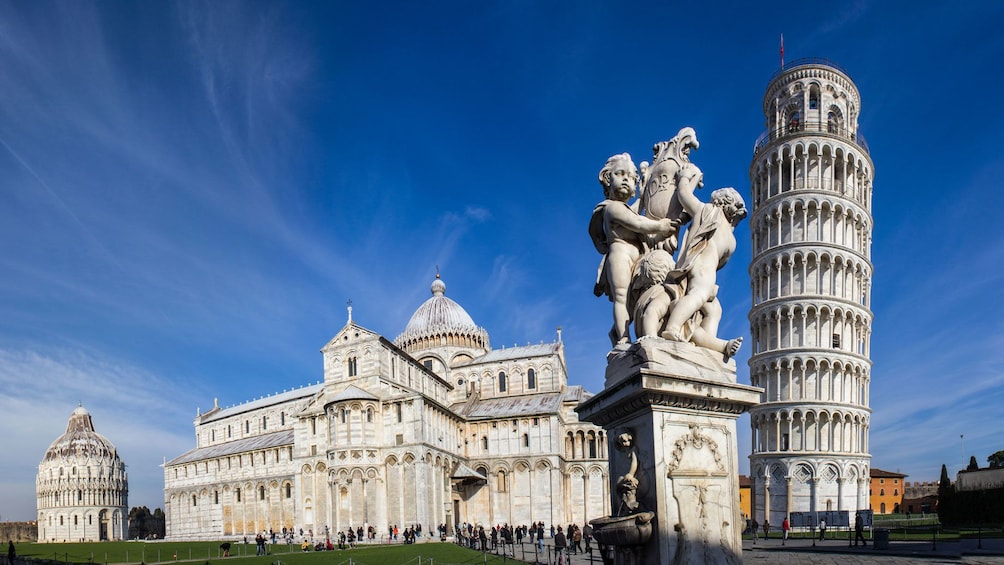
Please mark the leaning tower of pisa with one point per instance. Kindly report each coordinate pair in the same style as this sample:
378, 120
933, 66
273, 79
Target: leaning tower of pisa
811, 222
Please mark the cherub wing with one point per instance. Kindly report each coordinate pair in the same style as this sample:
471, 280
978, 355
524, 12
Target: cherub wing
596, 232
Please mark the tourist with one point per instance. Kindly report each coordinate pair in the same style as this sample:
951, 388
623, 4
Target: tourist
785, 526
822, 529
766, 529
225, 546
559, 547
576, 540
859, 530
11, 553
587, 534
507, 541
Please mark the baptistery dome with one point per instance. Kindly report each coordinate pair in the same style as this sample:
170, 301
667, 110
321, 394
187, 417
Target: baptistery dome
81, 489
80, 440
441, 322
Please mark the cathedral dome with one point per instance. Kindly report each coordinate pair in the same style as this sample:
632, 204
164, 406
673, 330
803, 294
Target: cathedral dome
80, 440
440, 321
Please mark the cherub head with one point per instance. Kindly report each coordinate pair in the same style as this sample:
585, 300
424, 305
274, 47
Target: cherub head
656, 265
731, 202
619, 177
625, 440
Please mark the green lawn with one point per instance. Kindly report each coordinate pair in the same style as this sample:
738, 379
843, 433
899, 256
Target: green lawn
201, 553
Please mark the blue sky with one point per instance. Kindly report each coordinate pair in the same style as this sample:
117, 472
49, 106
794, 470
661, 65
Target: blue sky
191, 192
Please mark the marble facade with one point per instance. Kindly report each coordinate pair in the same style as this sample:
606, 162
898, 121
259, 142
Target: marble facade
433, 428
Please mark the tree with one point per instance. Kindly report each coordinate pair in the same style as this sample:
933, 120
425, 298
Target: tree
973, 465
139, 522
146, 525
946, 494
996, 460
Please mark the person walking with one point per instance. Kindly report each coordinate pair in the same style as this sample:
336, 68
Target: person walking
859, 530
11, 553
822, 529
559, 547
785, 526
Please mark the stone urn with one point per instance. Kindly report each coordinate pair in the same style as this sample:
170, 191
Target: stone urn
623, 531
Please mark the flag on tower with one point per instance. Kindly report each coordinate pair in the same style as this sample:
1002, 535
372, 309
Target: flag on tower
782, 50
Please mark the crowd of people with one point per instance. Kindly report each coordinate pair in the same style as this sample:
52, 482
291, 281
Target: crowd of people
503, 538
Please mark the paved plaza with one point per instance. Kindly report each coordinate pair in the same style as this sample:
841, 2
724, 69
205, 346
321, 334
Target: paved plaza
833, 552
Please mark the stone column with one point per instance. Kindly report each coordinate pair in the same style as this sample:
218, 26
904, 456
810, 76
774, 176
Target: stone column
787, 505
670, 410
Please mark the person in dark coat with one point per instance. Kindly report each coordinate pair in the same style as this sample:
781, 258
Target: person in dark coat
11, 553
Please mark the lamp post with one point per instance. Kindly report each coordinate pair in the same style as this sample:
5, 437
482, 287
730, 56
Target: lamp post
962, 438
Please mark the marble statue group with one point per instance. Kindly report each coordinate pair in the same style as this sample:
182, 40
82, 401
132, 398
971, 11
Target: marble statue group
661, 282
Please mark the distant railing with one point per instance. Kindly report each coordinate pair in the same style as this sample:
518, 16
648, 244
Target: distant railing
815, 61
798, 128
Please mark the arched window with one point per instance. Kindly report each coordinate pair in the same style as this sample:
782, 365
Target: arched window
882, 508
592, 447
882, 492
194, 503
261, 493
369, 414
247, 426
342, 414
216, 497
526, 440
264, 422
531, 379
282, 419
353, 366
237, 493
502, 387
502, 486
484, 443
289, 490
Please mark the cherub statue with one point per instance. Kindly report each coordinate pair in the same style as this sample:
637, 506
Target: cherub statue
620, 233
627, 484
707, 245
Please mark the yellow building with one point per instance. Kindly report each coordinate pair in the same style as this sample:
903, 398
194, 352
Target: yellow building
745, 492
886, 492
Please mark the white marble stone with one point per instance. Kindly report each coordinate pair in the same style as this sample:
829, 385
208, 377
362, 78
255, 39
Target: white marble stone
684, 430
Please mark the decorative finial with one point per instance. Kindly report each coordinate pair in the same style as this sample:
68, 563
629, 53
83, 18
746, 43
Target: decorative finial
216, 402
350, 310
437, 271
559, 334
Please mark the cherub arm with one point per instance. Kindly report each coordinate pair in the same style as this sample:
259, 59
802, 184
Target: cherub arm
622, 214
690, 178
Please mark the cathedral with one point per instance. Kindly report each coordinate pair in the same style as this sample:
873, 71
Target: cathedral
433, 428
81, 488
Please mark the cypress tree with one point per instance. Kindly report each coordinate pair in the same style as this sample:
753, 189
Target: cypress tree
946, 493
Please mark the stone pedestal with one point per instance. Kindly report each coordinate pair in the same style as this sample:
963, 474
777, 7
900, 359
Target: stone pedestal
678, 403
